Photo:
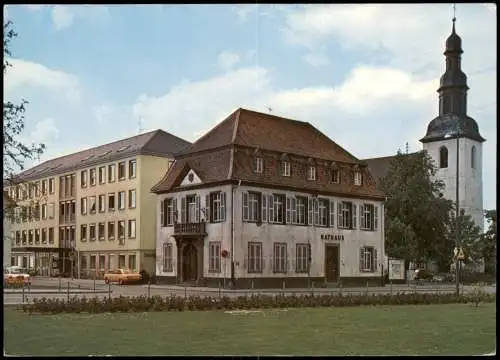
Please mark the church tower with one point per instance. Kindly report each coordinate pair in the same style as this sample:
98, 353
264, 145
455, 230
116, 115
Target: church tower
453, 138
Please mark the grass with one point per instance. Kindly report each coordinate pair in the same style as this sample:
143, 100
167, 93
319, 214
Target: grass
400, 330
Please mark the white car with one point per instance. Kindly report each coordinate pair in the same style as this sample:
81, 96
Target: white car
16, 275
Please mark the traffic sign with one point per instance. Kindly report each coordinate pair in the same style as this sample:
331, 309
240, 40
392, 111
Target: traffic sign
461, 255
455, 252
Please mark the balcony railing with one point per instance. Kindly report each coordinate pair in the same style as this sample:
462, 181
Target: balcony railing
190, 229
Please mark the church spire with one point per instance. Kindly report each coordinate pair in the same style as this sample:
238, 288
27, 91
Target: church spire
452, 119
453, 85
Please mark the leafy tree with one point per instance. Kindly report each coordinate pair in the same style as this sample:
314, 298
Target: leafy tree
489, 242
416, 213
469, 238
15, 152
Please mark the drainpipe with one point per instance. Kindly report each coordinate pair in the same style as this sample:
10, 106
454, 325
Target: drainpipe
233, 188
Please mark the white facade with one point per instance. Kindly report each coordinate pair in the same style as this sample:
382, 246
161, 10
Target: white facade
470, 174
235, 237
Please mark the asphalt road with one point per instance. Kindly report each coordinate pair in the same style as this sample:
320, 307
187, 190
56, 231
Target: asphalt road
58, 288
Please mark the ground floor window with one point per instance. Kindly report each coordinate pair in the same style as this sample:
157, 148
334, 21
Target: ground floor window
302, 260
255, 263
279, 258
367, 259
92, 262
102, 262
131, 262
121, 261
83, 263
214, 250
167, 258
12, 261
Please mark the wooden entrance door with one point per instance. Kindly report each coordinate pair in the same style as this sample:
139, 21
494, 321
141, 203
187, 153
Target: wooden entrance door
332, 259
189, 263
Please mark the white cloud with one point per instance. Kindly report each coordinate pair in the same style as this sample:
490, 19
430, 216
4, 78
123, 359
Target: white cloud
227, 59
408, 32
190, 105
316, 59
29, 74
62, 16
45, 131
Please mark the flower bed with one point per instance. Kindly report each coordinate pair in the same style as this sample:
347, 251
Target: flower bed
195, 303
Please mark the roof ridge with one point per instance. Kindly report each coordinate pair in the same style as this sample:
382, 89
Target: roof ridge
275, 116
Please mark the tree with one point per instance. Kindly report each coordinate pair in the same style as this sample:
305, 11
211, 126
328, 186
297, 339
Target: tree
469, 238
489, 242
15, 152
416, 213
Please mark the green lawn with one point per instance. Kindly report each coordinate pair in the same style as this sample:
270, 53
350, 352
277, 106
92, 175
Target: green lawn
400, 330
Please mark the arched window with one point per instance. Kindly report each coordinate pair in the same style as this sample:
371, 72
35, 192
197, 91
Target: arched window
443, 157
473, 157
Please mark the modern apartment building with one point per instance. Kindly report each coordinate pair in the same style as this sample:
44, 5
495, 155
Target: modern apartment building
92, 210
261, 201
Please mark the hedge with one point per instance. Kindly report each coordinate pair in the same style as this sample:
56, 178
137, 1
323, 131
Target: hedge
196, 303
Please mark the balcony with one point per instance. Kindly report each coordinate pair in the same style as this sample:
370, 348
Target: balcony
190, 229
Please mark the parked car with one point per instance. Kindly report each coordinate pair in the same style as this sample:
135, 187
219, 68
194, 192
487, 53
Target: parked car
121, 276
16, 275
422, 274
443, 277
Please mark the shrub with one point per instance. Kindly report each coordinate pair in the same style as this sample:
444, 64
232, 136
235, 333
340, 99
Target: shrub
196, 303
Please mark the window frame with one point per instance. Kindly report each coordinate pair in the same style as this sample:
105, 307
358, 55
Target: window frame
280, 258
255, 263
214, 256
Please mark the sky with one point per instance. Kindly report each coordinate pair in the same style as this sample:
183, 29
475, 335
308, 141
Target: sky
366, 75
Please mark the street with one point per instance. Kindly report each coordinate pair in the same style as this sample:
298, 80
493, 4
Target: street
62, 288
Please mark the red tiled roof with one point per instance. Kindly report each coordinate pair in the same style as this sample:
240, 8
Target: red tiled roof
223, 154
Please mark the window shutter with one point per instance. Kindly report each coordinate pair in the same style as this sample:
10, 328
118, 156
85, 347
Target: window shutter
197, 208
245, 206
183, 210
223, 207
174, 209
271, 208
354, 216
362, 216
310, 211
264, 207
316, 211
361, 258
208, 210
288, 210
162, 212
332, 213
375, 260
293, 203
375, 217
340, 214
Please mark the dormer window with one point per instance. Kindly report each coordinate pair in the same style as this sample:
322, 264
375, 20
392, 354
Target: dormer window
259, 165
336, 176
311, 173
357, 178
285, 168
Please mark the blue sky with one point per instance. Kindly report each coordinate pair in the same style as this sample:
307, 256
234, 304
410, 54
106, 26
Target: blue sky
365, 75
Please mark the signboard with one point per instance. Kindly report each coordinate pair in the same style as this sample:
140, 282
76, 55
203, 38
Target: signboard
461, 255
338, 237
